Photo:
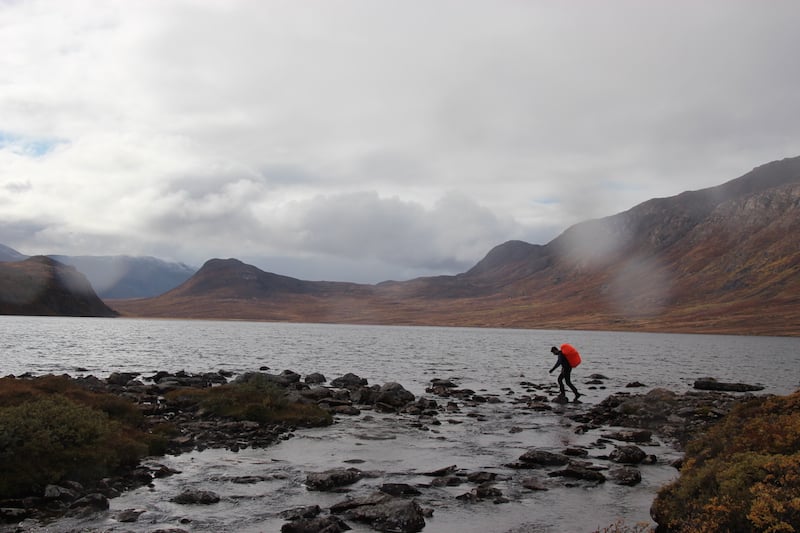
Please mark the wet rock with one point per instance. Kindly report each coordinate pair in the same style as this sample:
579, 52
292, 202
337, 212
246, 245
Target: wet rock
94, 501
713, 384
632, 455
196, 497
576, 471
332, 479
323, 524
348, 410
297, 513
315, 393
384, 513
641, 436
446, 383
56, 492
447, 481
315, 378
446, 471
543, 458
576, 452
121, 378
161, 471
399, 489
284, 379
635, 385
394, 395
248, 480
485, 491
626, 475
349, 381
129, 515
481, 477
532, 483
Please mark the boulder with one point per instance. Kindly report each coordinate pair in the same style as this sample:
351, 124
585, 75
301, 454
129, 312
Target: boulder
315, 378
349, 381
626, 475
631, 455
384, 513
394, 394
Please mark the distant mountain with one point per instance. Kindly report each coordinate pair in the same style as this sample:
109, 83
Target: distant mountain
9, 254
120, 276
42, 286
724, 259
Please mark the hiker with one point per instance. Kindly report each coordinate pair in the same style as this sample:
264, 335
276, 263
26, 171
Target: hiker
568, 358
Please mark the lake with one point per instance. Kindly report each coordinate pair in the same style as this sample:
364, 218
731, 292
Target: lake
493, 360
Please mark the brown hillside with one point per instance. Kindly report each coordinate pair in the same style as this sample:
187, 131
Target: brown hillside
724, 259
42, 286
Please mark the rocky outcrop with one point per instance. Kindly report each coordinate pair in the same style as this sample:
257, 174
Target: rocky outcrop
676, 417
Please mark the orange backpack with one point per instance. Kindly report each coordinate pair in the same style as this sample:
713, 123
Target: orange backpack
572, 355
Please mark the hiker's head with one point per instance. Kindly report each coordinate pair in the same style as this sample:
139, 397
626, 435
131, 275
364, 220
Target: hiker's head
555, 351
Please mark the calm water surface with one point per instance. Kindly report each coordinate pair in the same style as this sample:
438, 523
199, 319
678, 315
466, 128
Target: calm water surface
491, 360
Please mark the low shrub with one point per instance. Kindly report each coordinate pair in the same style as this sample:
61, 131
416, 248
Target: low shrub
256, 400
15, 391
51, 438
743, 475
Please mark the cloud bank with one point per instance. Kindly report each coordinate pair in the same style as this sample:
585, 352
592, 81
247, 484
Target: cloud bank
361, 140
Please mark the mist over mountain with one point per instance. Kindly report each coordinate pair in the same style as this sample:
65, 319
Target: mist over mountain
120, 276
721, 259
42, 286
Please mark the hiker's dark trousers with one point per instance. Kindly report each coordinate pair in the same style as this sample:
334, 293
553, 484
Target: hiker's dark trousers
565, 374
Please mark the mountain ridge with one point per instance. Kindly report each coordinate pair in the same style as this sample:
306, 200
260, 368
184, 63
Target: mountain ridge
721, 259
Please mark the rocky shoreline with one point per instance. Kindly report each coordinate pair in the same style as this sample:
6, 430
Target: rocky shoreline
625, 421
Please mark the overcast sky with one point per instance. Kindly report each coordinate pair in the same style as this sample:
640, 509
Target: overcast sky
372, 140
